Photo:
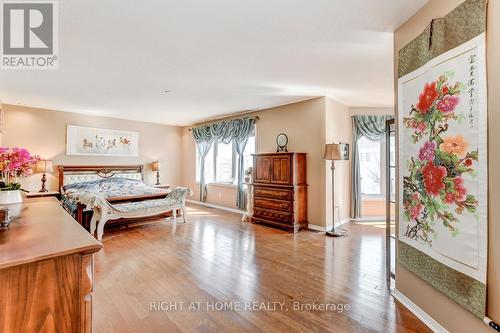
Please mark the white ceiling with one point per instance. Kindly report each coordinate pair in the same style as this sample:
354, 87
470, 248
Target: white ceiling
216, 57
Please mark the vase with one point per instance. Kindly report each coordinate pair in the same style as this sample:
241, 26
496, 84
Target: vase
10, 197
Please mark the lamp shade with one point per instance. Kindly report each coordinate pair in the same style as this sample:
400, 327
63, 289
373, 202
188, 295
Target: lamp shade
155, 166
332, 152
44, 166
336, 151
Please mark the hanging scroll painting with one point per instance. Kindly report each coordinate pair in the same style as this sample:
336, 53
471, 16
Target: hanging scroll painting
443, 163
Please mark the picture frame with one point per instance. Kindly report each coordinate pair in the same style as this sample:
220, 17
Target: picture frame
91, 141
344, 151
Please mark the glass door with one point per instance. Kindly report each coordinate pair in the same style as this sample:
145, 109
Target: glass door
390, 237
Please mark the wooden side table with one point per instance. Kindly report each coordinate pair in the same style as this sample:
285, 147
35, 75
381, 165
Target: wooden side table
163, 186
43, 194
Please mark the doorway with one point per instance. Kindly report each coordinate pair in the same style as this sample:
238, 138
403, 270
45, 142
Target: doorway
390, 201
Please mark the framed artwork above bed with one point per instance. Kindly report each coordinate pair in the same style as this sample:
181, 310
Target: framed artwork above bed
91, 141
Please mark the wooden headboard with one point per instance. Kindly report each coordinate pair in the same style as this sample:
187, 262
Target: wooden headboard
69, 174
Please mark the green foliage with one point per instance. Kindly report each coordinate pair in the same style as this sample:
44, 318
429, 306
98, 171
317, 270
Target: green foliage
11, 187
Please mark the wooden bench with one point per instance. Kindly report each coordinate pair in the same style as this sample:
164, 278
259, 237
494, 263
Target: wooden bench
105, 211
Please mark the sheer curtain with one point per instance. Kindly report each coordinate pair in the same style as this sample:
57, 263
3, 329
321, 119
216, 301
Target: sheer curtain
373, 128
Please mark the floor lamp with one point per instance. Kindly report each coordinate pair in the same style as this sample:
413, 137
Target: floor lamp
335, 152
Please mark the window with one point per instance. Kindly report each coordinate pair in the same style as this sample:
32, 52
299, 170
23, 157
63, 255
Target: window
371, 167
221, 163
224, 162
249, 150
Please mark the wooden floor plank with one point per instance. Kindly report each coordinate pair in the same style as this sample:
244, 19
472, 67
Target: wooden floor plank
216, 258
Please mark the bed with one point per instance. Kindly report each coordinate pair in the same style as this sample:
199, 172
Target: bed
117, 183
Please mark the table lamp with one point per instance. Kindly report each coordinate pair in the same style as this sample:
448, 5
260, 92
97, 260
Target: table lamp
155, 166
44, 167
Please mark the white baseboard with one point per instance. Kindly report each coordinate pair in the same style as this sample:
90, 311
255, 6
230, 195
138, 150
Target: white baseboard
418, 312
371, 219
328, 227
316, 227
206, 204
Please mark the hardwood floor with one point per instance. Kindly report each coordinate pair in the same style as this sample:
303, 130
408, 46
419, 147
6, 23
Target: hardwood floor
215, 258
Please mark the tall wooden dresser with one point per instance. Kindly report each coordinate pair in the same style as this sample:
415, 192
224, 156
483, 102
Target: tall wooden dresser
280, 190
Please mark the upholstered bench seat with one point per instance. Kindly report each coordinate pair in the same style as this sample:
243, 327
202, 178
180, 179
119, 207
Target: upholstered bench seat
143, 205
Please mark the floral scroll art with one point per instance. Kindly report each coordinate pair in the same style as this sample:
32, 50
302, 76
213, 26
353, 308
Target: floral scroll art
434, 189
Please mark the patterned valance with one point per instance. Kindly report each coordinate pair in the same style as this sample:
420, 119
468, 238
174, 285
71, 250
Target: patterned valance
236, 131
225, 131
371, 127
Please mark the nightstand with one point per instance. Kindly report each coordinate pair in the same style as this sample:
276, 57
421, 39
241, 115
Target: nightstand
163, 186
43, 194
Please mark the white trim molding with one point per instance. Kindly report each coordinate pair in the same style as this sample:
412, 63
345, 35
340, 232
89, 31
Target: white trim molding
418, 312
328, 227
316, 227
372, 219
206, 204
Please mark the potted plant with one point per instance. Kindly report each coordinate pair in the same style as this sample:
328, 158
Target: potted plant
14, 163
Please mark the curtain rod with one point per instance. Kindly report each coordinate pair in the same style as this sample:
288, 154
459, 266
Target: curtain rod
222, 119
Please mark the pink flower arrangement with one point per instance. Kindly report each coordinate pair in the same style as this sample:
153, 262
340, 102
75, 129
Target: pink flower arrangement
14, 163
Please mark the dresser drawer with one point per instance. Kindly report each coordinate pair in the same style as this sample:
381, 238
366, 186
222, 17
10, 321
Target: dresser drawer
273, 204
275, 193
273, 215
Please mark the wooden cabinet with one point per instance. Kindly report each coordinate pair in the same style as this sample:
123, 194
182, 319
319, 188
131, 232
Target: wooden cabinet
262, 169
280, 190
46, 271
281, 169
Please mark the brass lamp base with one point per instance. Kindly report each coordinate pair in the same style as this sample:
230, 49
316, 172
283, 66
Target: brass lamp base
44, 179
